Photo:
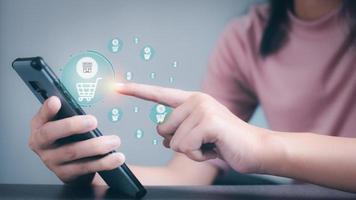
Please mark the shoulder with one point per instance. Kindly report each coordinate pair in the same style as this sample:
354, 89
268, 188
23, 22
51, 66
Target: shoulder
237, 51
246, 31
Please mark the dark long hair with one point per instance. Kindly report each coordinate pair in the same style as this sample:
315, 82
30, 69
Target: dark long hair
276, 29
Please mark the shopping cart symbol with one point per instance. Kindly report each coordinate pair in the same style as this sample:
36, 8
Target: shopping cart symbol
87, 90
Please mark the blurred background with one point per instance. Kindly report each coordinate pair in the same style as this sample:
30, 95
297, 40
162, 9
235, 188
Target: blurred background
183, 31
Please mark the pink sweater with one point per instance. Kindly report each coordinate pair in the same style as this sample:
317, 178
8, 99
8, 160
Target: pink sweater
309, 85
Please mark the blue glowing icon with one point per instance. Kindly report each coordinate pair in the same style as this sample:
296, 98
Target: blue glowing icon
171, 79
115, 45
87, 76
115, 114
159, 113
152, 75
147, 53
136, 40
154, 141
175, 64
139, 133
136, 109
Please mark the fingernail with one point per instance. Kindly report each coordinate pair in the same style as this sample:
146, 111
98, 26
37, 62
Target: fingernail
121, 156
119, 85
53, 102
114, 141
89, 121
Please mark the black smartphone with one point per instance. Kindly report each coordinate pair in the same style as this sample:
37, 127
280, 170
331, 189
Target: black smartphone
43, 83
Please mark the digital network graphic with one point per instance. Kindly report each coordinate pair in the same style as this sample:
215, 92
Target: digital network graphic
89, 77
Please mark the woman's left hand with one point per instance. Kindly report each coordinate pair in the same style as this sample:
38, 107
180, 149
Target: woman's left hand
198, 120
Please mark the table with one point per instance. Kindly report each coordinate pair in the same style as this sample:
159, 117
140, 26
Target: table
255, 192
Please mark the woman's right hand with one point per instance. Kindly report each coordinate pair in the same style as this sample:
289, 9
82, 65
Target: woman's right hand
71, 162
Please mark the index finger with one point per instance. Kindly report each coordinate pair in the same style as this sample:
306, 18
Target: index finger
48, 110
168, 96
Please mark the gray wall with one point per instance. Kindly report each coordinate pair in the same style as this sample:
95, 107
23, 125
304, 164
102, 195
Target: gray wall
183, 30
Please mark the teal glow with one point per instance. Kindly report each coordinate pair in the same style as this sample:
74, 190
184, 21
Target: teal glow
115, 47
159, 117
104, 78
115, 114
147, 55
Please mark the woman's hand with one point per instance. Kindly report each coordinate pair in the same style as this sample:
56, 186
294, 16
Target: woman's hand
71, 162
198, 119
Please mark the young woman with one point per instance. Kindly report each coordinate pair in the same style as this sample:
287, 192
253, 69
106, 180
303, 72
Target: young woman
295, 58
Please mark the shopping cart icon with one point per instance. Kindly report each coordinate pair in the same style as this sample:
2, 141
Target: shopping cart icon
87, 90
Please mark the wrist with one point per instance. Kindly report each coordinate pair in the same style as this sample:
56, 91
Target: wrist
272, 152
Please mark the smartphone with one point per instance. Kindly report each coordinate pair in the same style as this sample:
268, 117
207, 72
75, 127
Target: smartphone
43, 83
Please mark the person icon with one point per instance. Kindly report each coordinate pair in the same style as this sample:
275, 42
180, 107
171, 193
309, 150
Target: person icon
160, 113
115, 45
147, 53
115, 114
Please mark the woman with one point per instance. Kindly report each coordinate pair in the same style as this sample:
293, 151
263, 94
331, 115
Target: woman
295, 58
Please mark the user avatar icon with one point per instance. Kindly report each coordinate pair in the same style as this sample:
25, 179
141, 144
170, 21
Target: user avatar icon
159, 113
115, 45
115, 114
147, 53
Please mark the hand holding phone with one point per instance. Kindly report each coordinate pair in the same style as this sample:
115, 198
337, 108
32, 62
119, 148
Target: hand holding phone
70, 162
70, 120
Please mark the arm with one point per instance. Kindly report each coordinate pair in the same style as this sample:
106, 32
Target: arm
324, 160
198, 119
69, 164
179, 171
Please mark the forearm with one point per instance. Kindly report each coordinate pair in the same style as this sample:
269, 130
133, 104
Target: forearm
319, 159
180, 171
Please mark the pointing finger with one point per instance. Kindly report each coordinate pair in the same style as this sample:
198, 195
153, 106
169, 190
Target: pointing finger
168, 96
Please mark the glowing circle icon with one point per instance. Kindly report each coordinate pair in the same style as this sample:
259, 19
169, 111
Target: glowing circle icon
159, 113
139, 133
147, 53
115, 114
88, 76
115, 45
160, 108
